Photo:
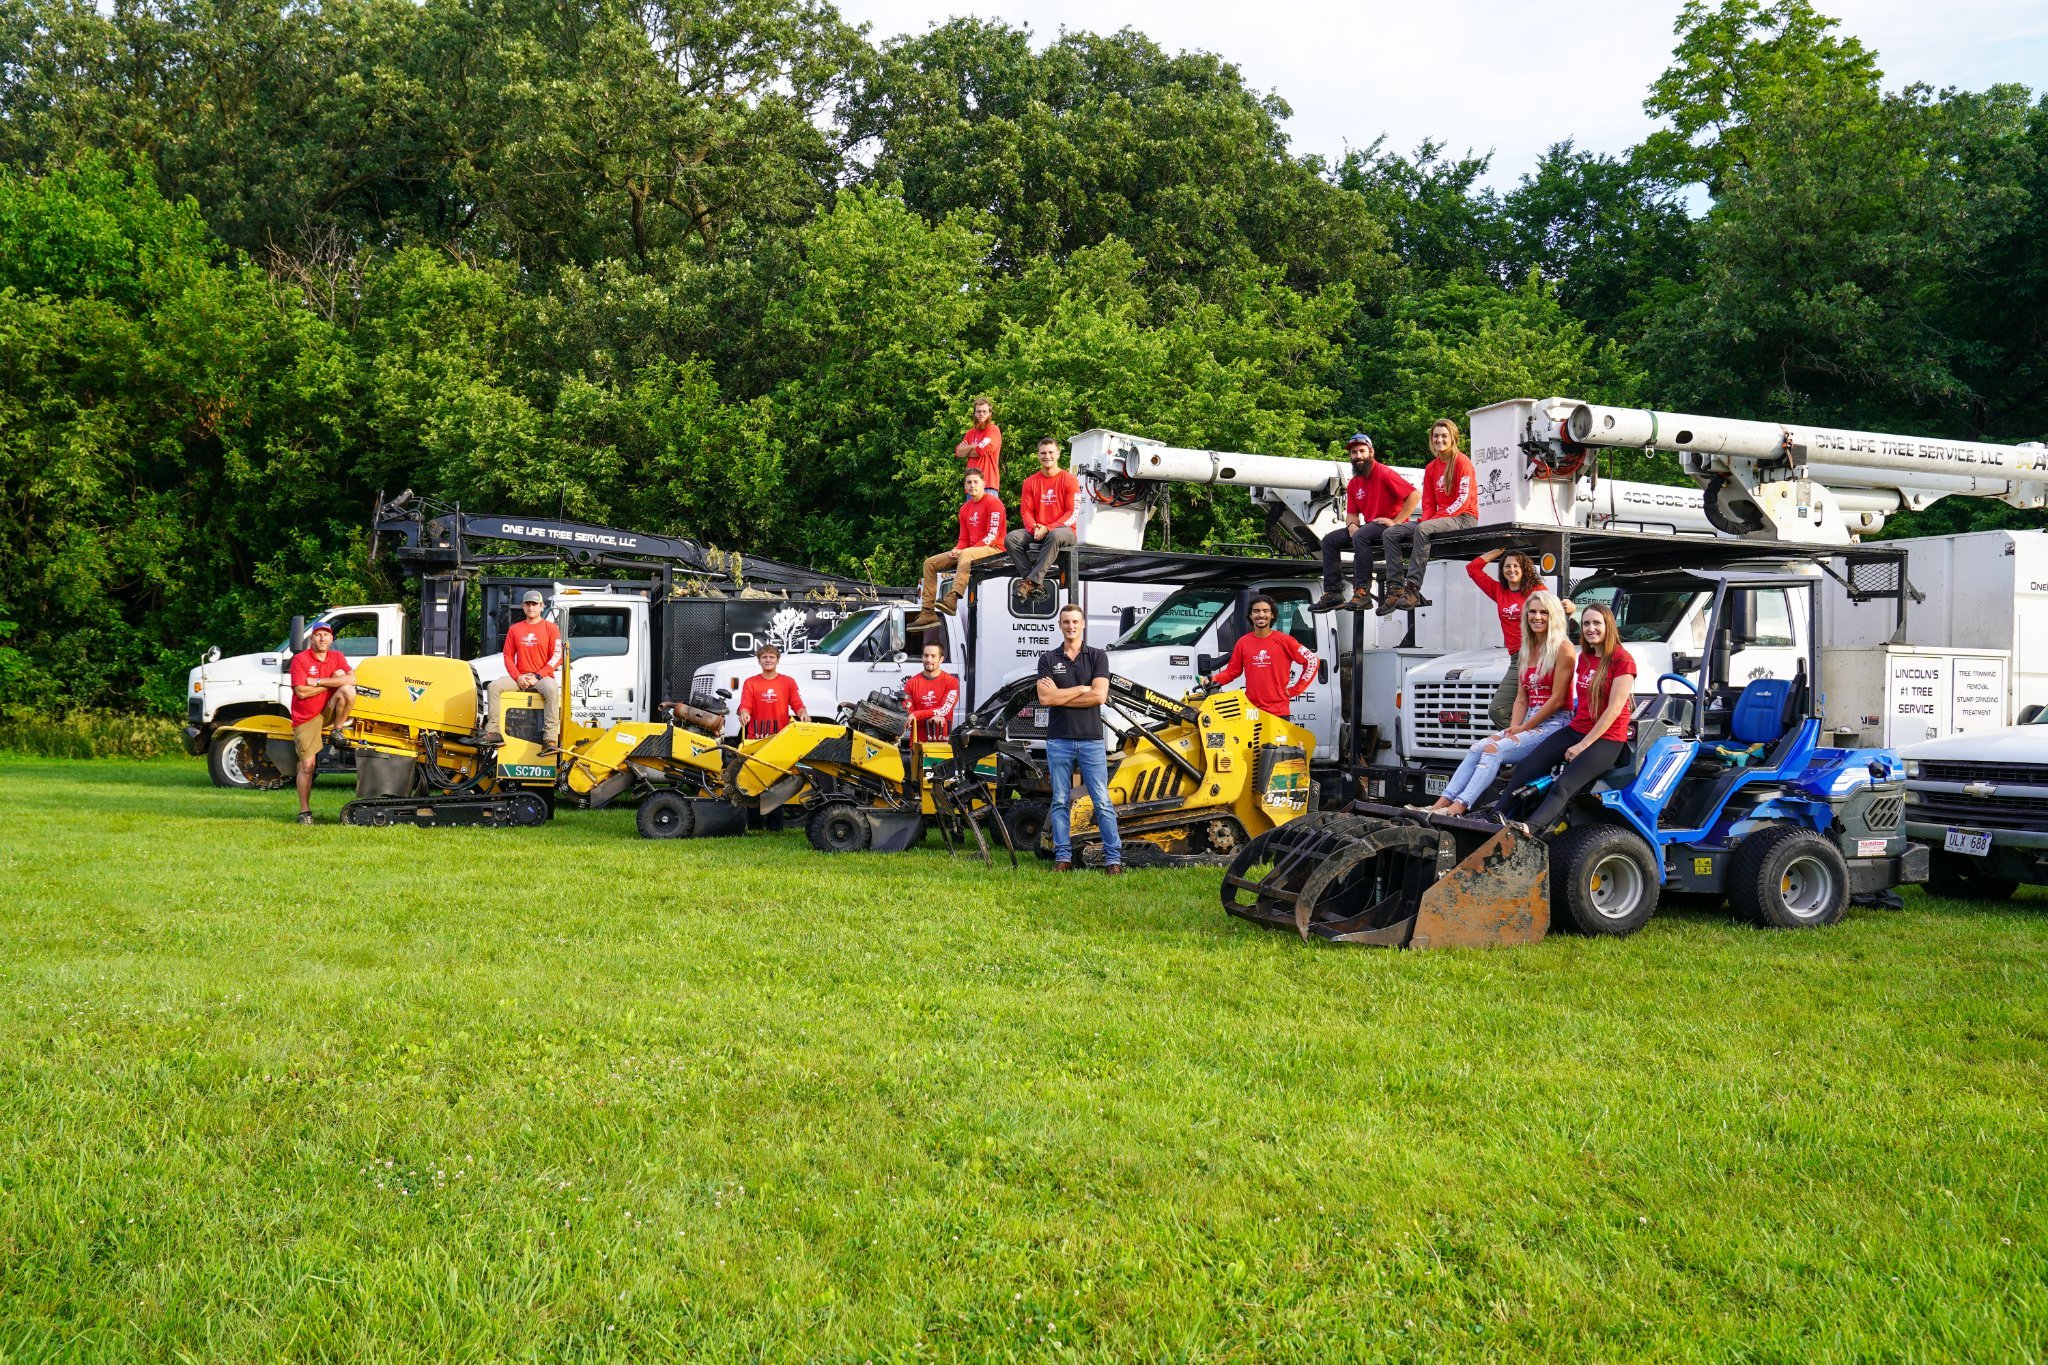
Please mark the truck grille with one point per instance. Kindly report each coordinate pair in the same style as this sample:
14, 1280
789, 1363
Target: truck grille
1451, 715
2004, 774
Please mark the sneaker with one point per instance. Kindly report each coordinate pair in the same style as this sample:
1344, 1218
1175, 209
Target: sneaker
1329, 601
305, 817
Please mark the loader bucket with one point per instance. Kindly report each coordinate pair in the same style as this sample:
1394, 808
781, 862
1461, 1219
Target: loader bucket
1391, 878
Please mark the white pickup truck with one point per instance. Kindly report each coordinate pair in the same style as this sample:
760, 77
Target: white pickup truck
1980, 803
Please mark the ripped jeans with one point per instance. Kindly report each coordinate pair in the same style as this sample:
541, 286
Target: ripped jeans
1479, 769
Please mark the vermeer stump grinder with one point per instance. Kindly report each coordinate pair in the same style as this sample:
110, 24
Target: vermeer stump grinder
422, 758
871, 786
1192, 780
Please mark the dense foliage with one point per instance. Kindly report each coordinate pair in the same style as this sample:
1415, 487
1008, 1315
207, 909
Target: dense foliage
725, 267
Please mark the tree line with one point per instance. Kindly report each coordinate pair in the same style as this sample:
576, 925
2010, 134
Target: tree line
730, 269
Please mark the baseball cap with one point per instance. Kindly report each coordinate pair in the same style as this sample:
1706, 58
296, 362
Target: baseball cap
319, 625
533, 595
1359, 438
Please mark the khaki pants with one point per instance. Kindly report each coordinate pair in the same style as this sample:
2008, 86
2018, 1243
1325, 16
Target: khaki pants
306, 735
960, 561
550, 690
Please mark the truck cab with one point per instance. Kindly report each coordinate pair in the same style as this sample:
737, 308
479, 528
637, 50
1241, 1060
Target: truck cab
608, 650
253, 692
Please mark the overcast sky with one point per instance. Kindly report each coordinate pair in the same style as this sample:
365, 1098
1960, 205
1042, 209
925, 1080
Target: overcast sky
1507, 76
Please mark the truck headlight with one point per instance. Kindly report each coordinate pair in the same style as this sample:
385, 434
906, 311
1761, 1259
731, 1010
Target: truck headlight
1912, 767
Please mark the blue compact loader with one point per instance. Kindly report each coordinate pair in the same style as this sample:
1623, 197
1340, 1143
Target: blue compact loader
1724, 792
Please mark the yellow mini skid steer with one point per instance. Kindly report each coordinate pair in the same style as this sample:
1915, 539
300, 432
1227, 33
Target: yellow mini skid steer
421, 758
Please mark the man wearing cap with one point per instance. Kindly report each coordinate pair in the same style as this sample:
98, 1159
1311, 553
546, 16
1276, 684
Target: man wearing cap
323, 690
1375, 499
533, 655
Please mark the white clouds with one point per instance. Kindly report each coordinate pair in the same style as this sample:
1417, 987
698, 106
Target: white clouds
1501, 75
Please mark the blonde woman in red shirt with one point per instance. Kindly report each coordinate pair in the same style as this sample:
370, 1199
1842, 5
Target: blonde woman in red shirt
1450, 502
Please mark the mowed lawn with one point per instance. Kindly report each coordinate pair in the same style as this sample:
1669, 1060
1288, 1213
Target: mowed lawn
402, 1094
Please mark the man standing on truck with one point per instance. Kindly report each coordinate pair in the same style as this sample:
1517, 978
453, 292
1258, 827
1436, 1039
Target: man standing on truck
323, 690
933, 695
1049, 519
981, 535
982, 446
533, 655
1376, 498
1267, 660
1073, 683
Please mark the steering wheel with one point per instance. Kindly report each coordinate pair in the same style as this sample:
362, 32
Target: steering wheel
1687, 683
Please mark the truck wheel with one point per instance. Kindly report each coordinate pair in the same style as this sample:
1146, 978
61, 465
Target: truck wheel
1788, 878
666, 815
1957, 877
1603, 881
839, 828
239, 762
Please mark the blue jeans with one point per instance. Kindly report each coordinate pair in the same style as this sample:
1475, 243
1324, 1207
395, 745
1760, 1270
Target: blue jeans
1477, 772
1061, 757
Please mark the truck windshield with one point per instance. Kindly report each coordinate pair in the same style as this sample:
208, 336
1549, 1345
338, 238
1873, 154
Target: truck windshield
841, 637
1180, 619
1647, 612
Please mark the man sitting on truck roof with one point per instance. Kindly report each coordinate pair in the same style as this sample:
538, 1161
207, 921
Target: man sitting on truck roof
1376, 498
323, 690
1049, 518
533, 655
933, 695
981, 535
1267, 660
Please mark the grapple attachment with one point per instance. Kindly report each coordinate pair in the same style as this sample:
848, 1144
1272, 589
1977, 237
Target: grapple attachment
1393, 879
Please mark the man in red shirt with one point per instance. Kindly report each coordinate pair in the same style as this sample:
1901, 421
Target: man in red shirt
933, 695
533, 656
769, 700
981, 535
1267, 659
982, 446
1375, 499
323, 690
1050, 521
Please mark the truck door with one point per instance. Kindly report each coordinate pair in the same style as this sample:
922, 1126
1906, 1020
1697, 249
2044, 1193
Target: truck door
609, 670
881, 660
359, 632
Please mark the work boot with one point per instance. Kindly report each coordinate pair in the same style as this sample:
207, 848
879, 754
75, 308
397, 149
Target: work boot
1329, 601
1395, 599
1113, 869
1029, 588
924, 620
1063, 867
950, 603
1360, 600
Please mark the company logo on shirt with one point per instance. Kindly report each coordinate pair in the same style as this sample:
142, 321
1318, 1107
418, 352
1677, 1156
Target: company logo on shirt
530, 638
1261, 659
1512, 611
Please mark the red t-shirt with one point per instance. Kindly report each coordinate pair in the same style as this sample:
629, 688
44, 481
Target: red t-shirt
1378, 494
1266, 665
769, 703
1463, 497
532, 647
1536, 684
306, 669
1507, 601
1588, 707
1049, 499
982, 447
931, 704
981, 522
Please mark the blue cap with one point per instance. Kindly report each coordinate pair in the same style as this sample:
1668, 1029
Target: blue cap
319, 625
1359, 438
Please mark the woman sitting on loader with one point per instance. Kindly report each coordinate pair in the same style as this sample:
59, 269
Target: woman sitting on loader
1598, 733
1543, 704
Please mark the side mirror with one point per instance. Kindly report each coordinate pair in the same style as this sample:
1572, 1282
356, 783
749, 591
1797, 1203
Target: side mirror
1125, 619
212, 655
1685, 663
2030, 714
1209, 663
298, 633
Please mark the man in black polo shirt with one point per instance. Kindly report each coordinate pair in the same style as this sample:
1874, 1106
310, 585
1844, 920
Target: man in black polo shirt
1073, 683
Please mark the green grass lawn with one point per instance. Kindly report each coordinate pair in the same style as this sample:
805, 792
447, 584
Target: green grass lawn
413, 1094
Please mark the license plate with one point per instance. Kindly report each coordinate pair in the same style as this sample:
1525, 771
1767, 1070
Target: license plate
1433, 784
1970, 841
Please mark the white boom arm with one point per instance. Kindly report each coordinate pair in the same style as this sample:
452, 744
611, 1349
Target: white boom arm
1120, 473
1809, 483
